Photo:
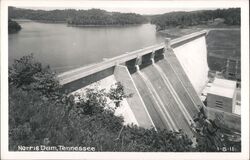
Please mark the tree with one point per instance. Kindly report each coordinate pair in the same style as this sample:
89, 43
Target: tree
29, 74
138, 139
33, 118
13, 26
117, 93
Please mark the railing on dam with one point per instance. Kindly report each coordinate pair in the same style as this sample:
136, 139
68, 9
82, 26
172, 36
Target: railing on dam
75, 74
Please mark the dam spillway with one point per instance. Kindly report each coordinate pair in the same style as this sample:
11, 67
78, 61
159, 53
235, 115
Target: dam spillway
168, 104
165, 93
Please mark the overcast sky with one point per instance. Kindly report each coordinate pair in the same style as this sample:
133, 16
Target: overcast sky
127, 10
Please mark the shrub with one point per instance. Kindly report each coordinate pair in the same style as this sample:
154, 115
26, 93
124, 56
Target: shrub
28, 74
13, 26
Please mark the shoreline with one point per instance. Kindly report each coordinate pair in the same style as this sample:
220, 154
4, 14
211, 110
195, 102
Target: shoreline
77, 25
40, 21
108, 25
46, 21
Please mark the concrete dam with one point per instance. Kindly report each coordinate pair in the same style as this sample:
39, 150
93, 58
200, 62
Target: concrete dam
165, 80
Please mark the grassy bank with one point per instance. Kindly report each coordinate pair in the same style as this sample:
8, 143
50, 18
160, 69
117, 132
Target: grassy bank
177, 32
222, 43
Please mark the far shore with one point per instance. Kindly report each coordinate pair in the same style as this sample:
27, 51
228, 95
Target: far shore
76, 25
40, 21
108, 25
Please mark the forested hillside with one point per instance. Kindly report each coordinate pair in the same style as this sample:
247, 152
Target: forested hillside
229, 16
101, 17
78, 17
52, 16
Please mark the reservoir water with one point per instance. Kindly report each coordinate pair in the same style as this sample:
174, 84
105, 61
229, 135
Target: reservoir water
64, 47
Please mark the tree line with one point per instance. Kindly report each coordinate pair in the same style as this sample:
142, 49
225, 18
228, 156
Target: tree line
41, 114
230, 16
78, 17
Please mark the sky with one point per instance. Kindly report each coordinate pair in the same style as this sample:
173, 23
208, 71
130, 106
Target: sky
144, 7
143, 11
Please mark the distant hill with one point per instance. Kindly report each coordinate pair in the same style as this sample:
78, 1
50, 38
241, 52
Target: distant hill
229, 16
13, 26
181, 19
78, 17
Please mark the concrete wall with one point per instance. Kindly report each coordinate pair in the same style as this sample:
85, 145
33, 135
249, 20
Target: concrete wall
85, 81
224, 119
193, 58
136, 104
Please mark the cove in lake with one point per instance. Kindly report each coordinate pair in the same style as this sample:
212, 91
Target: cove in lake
64, 47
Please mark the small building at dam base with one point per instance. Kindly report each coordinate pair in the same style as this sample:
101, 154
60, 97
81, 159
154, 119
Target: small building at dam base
222, 95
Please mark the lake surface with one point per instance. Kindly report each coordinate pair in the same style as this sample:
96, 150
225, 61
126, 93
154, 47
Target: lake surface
64, 48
